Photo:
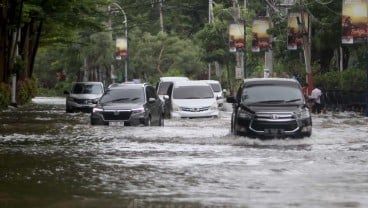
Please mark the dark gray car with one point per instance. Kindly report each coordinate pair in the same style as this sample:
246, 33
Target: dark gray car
82, 96
129, 104
270, 107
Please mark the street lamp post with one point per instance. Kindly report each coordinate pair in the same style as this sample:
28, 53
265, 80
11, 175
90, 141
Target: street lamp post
126, 36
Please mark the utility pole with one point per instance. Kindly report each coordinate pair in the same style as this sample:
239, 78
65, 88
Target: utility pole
240, 56
160, 10
126, 36
269, 53
210, 21
161, 16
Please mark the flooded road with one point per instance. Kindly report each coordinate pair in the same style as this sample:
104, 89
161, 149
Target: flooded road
52, 159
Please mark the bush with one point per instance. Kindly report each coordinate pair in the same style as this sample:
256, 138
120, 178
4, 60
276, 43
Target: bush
26, 90
352, 79
5, 93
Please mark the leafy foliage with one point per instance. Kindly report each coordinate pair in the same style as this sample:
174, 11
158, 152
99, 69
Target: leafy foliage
4, 95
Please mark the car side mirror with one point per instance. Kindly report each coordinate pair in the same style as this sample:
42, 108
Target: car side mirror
166, 97
151, 100
66, 92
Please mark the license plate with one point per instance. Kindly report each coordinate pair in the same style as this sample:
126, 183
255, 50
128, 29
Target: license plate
116, 123
274, 131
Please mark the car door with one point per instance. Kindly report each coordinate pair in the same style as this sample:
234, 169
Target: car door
155, 107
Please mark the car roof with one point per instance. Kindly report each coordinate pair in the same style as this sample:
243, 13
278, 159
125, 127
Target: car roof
128, 86
87, 83
210, 81
273, 80
166, 79
191, 83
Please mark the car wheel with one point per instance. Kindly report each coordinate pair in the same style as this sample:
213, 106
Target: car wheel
97, 122
308, 134
69, 110
233, 129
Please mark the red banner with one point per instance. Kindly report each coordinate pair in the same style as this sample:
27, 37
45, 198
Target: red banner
296, 29
261, 40
121, 48
236, 37
354, 21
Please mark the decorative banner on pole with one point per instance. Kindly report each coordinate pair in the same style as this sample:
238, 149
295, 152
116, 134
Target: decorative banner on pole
261, 40
121, 48
354, 21
296, 29
236, 37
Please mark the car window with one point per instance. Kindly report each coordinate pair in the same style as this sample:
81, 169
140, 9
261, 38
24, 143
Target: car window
216, 87
192, 92
81, 88
163, 88
150, 91
123, 96
264, 93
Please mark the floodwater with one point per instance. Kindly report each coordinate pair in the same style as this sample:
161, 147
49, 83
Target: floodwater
52, 159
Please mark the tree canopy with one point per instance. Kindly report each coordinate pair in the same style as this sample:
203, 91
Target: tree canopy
42, 38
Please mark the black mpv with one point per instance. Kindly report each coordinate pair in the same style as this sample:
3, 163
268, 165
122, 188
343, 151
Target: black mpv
129, 104
270, 108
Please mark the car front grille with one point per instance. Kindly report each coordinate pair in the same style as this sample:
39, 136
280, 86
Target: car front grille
116, 115
282, 121
82, 101
195, 109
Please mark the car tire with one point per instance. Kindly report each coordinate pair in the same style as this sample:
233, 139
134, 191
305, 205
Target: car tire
97, 122
69, 110
233, 129
308, 134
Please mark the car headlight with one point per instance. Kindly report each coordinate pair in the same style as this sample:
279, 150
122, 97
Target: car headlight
245, 114
94, 101
214, 106
70, 99
96, 110
303, 113
175, 107
138, 110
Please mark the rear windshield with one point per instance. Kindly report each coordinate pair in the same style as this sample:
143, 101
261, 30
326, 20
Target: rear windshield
82, 88
265, 93
123, 96
193, 92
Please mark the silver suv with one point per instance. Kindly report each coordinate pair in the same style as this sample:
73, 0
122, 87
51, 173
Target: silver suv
82, 96
270, 107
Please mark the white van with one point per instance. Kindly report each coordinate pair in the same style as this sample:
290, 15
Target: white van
193, 99
163, 86
217, 90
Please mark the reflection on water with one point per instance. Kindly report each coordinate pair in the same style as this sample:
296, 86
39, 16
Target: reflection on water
52, 159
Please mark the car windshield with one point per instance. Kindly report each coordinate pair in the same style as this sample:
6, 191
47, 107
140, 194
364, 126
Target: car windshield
271, 94
193, 92
216, 87
163, 88
83, 88
123, 96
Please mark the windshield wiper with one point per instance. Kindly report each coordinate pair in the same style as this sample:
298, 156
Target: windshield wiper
121, 99
136, 98
269, 101
293, 100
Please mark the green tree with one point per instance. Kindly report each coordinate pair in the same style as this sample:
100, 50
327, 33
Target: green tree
153, 56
